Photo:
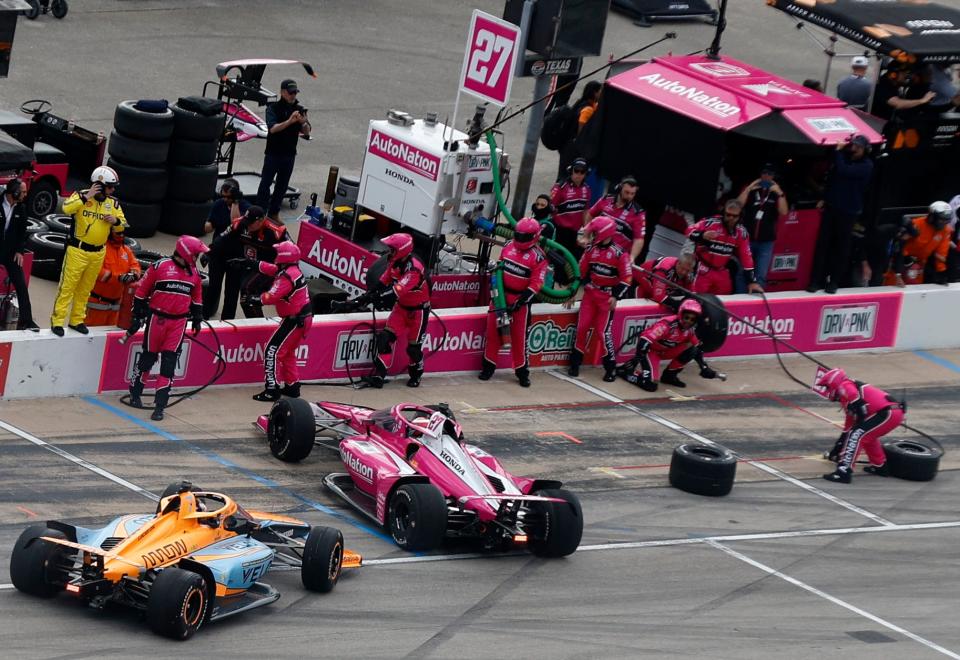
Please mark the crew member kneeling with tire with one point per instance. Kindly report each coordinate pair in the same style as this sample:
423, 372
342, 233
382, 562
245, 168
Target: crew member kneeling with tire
671, 338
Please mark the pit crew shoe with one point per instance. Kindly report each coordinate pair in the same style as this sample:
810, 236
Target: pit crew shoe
648, 385
268, 394
669, 377
576, 359
81, 328
57, 330
415, 376
160, 402
842, 475
376, 382
487, 372
879, 470
609, 376
136, 390
830, 288
292, 390
523, 376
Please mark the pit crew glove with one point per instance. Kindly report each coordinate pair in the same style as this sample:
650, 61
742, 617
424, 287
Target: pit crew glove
241, 263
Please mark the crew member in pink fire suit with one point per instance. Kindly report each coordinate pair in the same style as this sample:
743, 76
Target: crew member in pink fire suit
168, 295
653, 279
871, 414
631, 219
571, 203
715, 241
523, 267
606, 271
671, 338
289, 294
406, 278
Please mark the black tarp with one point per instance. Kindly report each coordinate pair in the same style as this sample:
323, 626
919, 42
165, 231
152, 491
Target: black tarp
928, 31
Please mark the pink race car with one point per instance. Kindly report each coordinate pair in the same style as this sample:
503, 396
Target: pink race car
409, 469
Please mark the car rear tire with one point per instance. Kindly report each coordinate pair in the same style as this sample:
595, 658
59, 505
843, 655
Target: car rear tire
913, 461
142, 125
142, 185
189, 125
291, 429
139, 152
322, 559
43, 198
48, 249
193, 152
712, 325
143, 219
417, 517
703, 469
178, 603
562, 527
32, 564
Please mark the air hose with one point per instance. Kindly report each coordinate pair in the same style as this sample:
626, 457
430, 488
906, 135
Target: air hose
548, 294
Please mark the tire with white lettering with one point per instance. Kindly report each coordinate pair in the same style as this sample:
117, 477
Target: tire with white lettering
291, 429
911, 460
189, 125
58, 222
703, 469
48, 249
34, 225
179, 218
142, 219
33, 562
193, 183
712, 326
144, 185
178, 603
192, 152
140, 152
322, 559
142, 125
417, 517
561, 524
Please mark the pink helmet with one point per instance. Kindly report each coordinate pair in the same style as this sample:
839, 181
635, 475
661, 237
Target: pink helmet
527, 233
831, 380
401, 246
691, 305
189, 248
287, 253
603, 228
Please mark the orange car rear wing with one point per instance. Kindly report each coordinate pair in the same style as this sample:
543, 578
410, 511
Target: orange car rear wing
89, 549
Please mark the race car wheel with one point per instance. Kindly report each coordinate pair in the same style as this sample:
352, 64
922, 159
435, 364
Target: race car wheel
143, 219
42, 198
291, 430
193, 152
703, 469
712, 326
193, 183
48, 251
139, 152
417, 517
322, 559
59, 8
178, 603
144, 185
33, 563
913, 461
142, 125
189, 125
179, 218
562, 524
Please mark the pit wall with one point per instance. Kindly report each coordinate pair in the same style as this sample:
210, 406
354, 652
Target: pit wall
43, 365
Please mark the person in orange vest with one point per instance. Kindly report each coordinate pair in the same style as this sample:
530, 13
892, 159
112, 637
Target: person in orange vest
120, 268
925, 237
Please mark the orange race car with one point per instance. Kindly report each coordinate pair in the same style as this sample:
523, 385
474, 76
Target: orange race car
199, 558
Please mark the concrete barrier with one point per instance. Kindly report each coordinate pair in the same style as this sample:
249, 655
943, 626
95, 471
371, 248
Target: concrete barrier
919, 317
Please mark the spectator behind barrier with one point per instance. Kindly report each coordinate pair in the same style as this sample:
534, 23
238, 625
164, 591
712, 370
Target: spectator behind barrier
925, 245
855, 89
763, 202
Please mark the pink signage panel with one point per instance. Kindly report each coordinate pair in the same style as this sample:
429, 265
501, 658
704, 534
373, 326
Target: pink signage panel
830, 126
490, 57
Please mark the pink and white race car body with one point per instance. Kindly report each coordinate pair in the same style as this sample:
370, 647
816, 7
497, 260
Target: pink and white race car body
246, 123
412, 461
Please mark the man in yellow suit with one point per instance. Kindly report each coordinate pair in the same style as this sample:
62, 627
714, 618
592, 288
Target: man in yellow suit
95, 214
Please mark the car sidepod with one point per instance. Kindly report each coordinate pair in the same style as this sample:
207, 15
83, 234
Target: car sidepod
236, 563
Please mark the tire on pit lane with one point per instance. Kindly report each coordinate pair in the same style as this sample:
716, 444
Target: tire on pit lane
703, 469
34, 225
142, 125
58, 222
291, 429
322, 559
911, 460
32, 560
140, 152
417, 516
142, 219
49, 249
712, 326
563, 524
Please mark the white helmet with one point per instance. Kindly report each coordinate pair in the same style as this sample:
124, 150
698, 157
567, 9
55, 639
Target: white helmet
105, 175
940, 214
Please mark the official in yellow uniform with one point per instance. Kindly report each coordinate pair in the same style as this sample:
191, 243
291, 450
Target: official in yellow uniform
95, 214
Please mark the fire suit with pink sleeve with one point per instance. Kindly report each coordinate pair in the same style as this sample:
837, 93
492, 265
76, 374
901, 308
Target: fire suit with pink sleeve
712, 255
871, 413
289, 294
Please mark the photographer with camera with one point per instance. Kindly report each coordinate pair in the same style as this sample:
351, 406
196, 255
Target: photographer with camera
287, 121
230, 206
763, 203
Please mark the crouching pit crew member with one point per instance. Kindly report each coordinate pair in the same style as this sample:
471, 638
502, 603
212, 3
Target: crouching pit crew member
671, 338
523, 269
653, 279
292, 299
168, 295
606, 270
871, 414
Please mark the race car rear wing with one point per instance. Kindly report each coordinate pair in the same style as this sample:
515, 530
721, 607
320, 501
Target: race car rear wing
90, 550
514, 498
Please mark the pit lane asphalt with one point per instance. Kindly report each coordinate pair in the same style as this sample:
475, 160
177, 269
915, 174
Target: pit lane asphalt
665, 590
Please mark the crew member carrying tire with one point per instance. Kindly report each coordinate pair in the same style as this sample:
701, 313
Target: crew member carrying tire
653, 279
96, 213
671, 338
715, 240
523, 269
120, 268
607, 270
292, 299
407, 278
169, 294
871, 414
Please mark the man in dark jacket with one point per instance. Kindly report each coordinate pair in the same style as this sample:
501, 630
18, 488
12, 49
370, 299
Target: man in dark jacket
763, 203
287, 121
13, 237
842, 206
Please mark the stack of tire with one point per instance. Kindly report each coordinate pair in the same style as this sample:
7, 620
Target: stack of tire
49, 245
192, 164
138, 149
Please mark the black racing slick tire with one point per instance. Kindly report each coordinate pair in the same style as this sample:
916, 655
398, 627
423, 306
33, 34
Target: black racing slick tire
34, 10
913, 461
193, 183
143, 185
192, 152
142, 219
562, 524
188, 125
43, 198
703, 469
712, 326
322, 559
49, 249
291, 429
59, 8
179, 218
34, 225
375, 272
142, 125
33, 564
59, 223
178, 604
137, 152
147, 258
417, 517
